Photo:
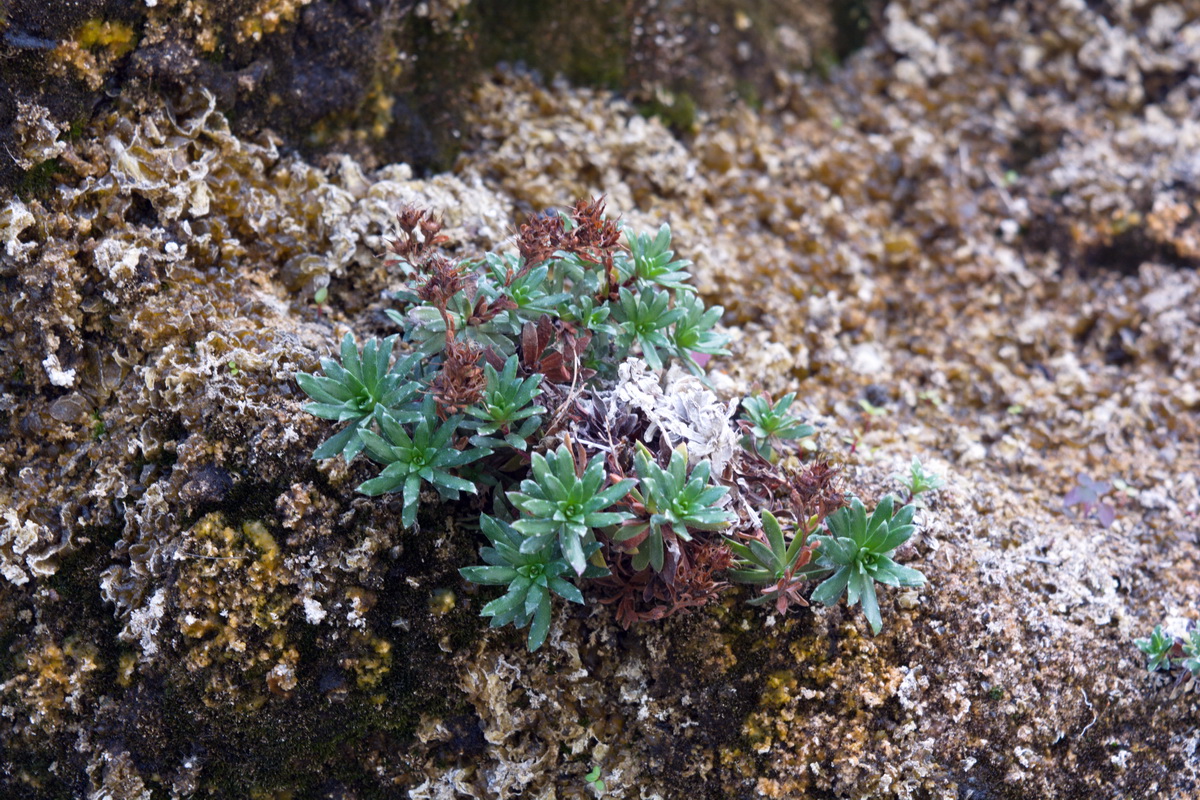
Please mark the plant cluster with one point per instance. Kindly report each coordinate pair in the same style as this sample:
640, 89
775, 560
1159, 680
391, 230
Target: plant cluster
1167, 652
501, 380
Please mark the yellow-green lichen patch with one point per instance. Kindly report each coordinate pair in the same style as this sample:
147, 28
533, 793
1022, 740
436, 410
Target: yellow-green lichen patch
52, 679
231, 606
268, 17
117, 37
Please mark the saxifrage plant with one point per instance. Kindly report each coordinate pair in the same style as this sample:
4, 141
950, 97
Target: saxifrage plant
408, 461
766, 425
531, 575
859, 550
668, 504
566, 507
1166, 651
919, 481
352, 391
507, 408
778, 568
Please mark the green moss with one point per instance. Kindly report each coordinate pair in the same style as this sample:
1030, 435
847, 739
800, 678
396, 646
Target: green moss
853, 21
748, 93
678, 113
587, 43
99, 429
37, 182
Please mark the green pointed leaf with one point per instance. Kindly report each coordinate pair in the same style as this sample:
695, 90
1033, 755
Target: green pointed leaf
870, 607
540, 626
337, 443
832, 587
491, 576
566, 590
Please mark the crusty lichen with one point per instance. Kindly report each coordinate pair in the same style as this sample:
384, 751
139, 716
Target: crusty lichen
1020, 302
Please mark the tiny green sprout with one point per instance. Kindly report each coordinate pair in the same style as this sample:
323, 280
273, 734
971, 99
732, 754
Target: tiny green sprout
779, 568
530, 575
427, 455
351, 392
766, 425
1124, 488
644, 318
918, 481
594, 780
871, 409
321, 295
99, 429
506, 402
233, 369
1157, 647
668, 503
859, 551
654, 262
933, 397
1191, 652
566, 506
1015, 410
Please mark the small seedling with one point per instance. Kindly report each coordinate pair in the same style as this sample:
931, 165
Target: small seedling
871, 409
1157, 647
1191, 653
594, 780
1165, 651
1086, 495
1124, 488
932, 397
919, 481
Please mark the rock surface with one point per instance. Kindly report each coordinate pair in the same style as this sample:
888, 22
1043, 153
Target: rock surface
986, 222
